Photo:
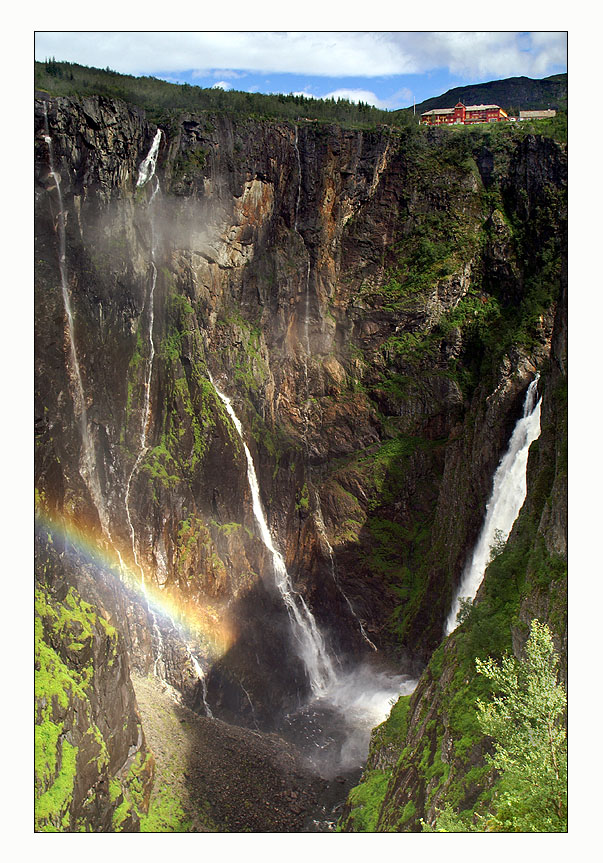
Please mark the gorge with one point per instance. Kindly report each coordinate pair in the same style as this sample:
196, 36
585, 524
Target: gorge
277, 366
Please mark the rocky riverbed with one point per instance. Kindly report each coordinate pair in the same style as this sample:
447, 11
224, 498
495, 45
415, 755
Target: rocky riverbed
214, 777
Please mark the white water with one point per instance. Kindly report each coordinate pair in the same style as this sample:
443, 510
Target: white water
88, 463
508, 494
146, 172
334, 731
336, 724
146, 168
310, 642
201, 677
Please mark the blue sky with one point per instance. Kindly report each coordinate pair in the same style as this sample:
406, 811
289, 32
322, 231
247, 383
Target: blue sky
388, 69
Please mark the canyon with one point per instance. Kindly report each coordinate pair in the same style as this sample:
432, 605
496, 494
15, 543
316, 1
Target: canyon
276, 368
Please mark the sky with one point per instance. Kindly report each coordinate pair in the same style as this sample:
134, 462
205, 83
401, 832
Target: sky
388, 69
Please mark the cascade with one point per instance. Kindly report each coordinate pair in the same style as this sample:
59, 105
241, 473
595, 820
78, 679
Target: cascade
319, 520
146, 169
346, 705
146, 172
201, 677
88, 468
311, 644
508, 494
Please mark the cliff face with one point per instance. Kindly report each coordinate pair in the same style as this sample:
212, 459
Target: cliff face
430, 753
354, 293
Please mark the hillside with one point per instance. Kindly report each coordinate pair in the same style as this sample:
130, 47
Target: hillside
512, 94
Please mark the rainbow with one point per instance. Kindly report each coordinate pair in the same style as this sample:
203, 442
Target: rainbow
205, 625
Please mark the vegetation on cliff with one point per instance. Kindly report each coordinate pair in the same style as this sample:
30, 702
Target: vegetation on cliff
525, 719
159, 97
376, 301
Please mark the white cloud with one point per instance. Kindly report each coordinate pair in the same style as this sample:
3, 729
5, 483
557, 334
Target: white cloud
221, 85
485, 54
400, 99
227, 73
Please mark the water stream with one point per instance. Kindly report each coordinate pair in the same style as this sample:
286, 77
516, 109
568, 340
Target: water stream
88, 469
508, 494
146, 173
310, 642
333, 728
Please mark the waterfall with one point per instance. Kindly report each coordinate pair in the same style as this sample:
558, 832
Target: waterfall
146, 169
146, 172
320, 524
508, 494
337, 722
88, 468
201, 678
310, 642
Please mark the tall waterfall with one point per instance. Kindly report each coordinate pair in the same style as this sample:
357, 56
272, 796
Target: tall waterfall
346, 705
88, 468
146, 171
508, 494
311, 644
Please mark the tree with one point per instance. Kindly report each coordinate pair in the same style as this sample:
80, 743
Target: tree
525, 719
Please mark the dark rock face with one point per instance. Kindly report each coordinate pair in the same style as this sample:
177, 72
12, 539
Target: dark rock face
437, 759
303, 268
93, 769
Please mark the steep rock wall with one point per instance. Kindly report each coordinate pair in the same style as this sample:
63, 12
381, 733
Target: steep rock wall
345, 288
430, 753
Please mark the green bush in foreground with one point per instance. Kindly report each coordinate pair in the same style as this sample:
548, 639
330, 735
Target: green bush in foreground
525, 720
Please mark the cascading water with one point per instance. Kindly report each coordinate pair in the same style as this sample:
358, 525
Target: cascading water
146, 172
334, 727
201, 677
508, 494
88, 468
313, 652
146, 169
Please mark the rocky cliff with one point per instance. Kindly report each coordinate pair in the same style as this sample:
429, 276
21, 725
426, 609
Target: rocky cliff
430, 753
373, 302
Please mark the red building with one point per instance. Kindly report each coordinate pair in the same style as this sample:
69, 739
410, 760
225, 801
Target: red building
464, 114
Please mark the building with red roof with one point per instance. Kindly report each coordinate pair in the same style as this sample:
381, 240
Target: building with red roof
464, 114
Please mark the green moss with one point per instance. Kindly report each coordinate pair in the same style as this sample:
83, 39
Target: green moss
123, 811
409, 812
52, 806
302, 503
166, 814
45, 753
63, 633
365, 801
